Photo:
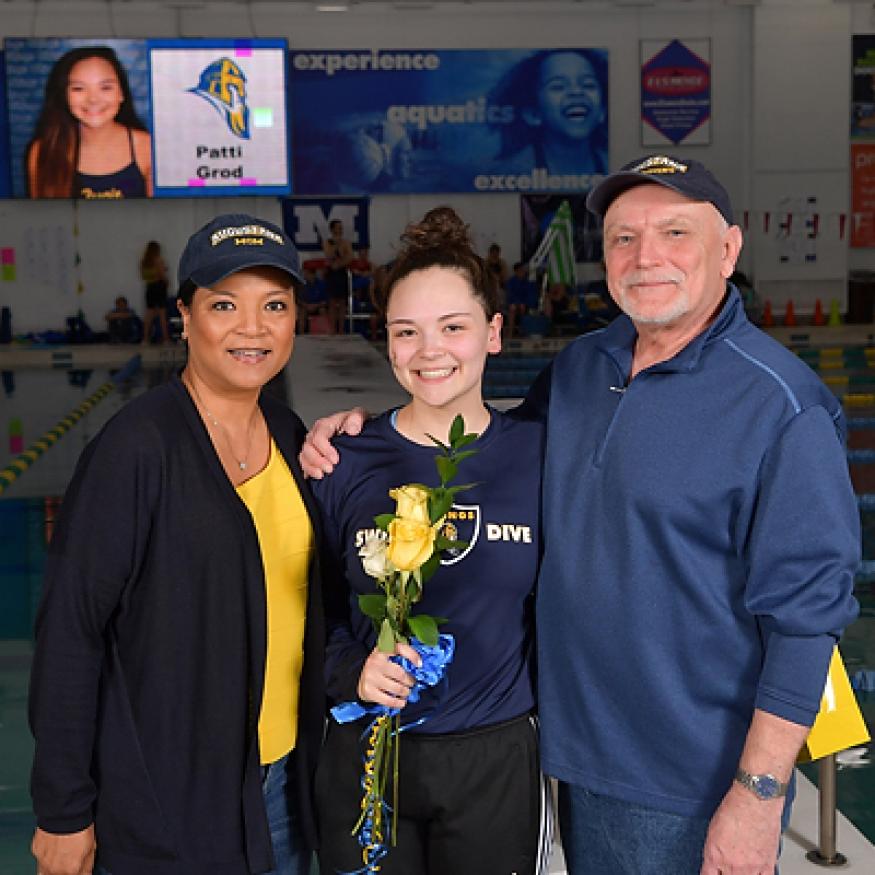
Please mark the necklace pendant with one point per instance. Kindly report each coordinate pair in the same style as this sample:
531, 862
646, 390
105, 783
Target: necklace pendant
242, 465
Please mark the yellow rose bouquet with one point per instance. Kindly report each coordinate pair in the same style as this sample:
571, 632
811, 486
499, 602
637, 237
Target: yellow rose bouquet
401, 557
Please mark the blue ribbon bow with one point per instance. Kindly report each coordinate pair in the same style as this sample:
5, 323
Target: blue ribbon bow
435, 660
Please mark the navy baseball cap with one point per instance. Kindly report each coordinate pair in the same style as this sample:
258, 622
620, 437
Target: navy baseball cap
232, 242
687, 177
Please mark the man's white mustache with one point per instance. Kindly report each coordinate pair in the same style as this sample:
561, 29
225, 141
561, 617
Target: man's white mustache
641, 277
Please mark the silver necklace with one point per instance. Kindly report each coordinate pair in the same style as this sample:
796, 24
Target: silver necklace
242, 464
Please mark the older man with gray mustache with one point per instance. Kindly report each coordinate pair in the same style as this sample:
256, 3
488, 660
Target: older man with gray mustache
690, 592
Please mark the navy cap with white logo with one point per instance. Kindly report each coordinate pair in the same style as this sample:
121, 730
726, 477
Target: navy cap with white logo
689, 178
233, 242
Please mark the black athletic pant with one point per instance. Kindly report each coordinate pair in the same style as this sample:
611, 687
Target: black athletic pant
470, 803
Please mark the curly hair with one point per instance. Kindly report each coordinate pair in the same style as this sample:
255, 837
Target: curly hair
441, 239
57, 132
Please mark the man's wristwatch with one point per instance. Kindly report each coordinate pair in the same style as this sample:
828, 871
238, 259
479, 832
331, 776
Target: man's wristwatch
762, 786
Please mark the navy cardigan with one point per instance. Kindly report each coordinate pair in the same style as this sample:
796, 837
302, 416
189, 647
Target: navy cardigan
150, 650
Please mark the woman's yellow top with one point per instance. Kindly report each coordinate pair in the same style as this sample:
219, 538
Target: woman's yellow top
285, 536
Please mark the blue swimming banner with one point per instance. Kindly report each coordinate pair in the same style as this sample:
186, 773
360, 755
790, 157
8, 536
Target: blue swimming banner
516, 120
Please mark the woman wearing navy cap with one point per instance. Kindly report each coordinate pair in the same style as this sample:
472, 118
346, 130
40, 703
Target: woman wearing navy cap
176, 695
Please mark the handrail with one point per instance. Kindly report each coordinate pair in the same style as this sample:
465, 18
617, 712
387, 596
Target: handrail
826, 854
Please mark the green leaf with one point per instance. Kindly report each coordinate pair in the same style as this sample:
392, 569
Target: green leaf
464, 454
453, 490
464, 440
437, 443
386, 639
382, 520
457, 430
447, 469
373, 605
424, 628
429, 567
440, 504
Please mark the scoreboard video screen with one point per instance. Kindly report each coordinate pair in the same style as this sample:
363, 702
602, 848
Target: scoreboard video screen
114, 119
219, 117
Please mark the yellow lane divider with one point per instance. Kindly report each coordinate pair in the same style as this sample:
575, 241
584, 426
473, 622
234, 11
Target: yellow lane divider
23, 461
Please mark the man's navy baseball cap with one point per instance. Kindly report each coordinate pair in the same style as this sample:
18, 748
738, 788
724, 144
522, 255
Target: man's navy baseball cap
232, 242
689, 178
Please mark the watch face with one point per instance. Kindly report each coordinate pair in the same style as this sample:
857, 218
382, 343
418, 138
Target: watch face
766, 787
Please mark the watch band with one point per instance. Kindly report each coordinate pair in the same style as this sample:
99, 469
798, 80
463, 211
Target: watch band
764, 787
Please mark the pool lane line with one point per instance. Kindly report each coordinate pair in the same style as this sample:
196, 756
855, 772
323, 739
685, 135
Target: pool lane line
25, 459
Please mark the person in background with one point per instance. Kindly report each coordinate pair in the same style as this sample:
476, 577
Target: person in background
690, 464
521, 295
176, 694
497, 264
471, 795
560, 102
312, 298
753, 305
601, 306
558, 307
89, 142
122, 323
339, 255
153, 272
362, 270
377, 322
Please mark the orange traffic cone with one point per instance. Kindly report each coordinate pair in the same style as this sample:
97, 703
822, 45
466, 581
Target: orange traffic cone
768, 319
789, 315
818, 318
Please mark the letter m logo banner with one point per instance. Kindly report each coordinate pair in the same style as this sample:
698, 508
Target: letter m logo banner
307, 220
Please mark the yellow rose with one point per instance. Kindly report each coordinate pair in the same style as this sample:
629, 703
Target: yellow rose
412, 503
411, 543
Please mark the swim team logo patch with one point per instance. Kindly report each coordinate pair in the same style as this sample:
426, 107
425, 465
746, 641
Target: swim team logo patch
462, 523
223, 85
660, 164
251, 234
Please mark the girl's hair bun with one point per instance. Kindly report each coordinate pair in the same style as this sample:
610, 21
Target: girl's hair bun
440, 228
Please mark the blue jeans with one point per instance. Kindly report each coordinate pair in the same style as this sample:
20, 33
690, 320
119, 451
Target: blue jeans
604, 836
289, 852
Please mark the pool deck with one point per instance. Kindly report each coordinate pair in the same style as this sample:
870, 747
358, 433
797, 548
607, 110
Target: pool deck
327, 374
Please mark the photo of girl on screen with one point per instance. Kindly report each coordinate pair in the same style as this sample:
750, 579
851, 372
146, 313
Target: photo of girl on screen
89, 142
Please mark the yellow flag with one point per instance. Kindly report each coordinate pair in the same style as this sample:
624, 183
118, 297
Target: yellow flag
839, 723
